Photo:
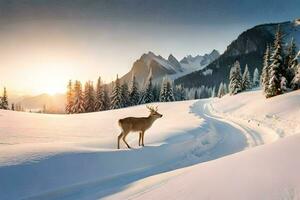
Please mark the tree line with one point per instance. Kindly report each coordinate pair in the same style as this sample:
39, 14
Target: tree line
239, 81
280, 71
100, 98
5, 105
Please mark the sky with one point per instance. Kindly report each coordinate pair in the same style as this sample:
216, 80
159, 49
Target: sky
45, 43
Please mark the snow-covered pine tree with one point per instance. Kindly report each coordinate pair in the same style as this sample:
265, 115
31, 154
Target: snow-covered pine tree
134, 95
89, 97
225, 88
255, 82
169, 90
125, 95
116, 96
235, 84
295, 83
78, 106
166, 92
196, 96
106, 101
265, 75
156, 92
4, 100
283, 84
100, 101
221, 91
276, 67
70, 98
246, 83
163, 90
179, 93
214, 92
289, 62
148, 93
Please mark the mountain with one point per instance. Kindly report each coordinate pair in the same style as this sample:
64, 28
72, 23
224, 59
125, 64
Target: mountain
199, 62
158, 67
248, 48
55, 103
150, 65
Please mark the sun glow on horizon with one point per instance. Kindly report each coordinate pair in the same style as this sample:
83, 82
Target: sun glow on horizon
50, 78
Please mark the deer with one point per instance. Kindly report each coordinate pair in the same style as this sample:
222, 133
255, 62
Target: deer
137, 124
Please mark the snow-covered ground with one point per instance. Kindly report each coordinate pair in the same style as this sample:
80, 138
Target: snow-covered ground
75, 156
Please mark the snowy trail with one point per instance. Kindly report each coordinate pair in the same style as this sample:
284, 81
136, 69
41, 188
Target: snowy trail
111, 173
231, 138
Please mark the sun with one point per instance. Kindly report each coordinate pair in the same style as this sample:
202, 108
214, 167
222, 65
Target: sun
51, 78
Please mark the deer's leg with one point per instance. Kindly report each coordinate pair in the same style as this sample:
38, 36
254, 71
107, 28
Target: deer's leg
143, 134
140, 138
124, 139
119, 137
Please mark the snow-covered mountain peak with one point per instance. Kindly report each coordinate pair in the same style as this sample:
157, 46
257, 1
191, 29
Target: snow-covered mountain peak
199, 62
159, 67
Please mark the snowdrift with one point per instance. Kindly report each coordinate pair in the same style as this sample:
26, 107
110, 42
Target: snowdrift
47, 155
75, 156
269, 171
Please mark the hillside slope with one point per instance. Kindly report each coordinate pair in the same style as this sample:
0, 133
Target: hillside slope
248, 48
266, 172
75, 156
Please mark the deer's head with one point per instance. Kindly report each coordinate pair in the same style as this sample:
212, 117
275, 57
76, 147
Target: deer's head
153, 112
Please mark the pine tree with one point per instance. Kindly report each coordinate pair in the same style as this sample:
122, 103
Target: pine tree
289, 61
276, 67
4, 100
106, 98
221, 91
156, 92
125, 95
179, 93
100, 101
70, 98
196, 95
170, 94
213, 92
265, 75
235, 84
134, 95
246, 83
225, 88
167, 94
78, 106
295, 83
89, 97
255, 81
116, 96
148, 94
